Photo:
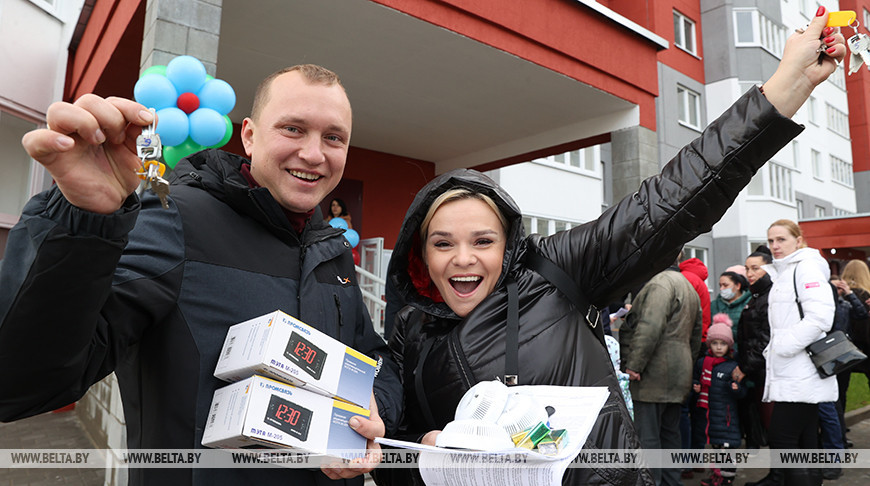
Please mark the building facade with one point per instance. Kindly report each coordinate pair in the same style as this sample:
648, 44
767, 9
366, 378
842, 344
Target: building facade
698, 78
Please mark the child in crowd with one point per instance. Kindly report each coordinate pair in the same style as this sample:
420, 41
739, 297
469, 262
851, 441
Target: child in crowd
613, 350
718, 395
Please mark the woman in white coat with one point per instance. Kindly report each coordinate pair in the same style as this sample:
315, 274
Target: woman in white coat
792, 381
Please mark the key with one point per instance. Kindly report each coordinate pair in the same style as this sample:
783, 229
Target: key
160, 186
150, 149
859, 52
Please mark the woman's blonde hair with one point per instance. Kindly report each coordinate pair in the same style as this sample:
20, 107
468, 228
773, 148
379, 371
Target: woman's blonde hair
856, 274
792, 228
456, 195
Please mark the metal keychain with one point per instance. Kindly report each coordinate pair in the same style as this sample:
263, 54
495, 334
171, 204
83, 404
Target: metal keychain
150, 149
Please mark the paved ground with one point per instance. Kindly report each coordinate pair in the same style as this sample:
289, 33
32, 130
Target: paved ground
63, 431
859, 434
60, 430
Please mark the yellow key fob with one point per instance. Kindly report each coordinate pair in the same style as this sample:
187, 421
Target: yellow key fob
143, 173
842, 18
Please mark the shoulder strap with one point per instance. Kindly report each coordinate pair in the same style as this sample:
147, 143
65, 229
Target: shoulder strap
797, 298
512, 335
560, 279
422, 401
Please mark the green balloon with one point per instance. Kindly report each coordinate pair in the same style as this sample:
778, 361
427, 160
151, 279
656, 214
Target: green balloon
227, 135
155, 69
171, 155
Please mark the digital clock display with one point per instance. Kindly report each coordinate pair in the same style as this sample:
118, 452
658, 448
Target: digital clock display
305, 354
289, 417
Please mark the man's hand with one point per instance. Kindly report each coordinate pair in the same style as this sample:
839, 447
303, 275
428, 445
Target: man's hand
633, 375
430, 437
369, 428
89, 148
737, 375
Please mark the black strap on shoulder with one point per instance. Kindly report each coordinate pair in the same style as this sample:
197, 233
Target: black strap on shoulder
560, 279
797, 298
422, 401
512, 335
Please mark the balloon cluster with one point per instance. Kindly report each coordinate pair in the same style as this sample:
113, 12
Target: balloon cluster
350, 235
191, 106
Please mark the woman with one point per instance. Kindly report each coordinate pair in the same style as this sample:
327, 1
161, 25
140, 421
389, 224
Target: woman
461, 266
855, 285
753, 334
733, 295
338, 209
792, 382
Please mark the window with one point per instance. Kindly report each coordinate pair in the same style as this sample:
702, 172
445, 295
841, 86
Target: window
812, 111
689, 106
780, 182
754, 29
841, 171
808, 8
838, 121
684, 33
775, 181
838, 78
545, 226
795, 154
800, 208
756, 185
15, 184
817, 163
842, 212
585, 159
866, 17
700, 254
819, 212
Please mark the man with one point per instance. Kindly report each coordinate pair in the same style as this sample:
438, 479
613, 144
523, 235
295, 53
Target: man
660, 338
96, 280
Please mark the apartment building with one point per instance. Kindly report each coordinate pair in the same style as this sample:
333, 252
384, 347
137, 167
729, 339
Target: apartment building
699, 76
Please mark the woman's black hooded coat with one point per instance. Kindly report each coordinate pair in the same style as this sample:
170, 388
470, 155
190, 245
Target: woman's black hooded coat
627, 244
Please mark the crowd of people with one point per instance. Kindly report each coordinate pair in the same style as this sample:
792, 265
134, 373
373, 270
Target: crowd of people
753, 383
97, 280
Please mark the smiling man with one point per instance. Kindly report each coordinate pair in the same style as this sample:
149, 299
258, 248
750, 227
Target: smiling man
96, 280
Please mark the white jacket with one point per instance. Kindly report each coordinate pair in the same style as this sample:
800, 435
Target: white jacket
791, 376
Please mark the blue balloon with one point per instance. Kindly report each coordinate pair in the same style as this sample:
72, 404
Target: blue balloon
186, 73
172, 126
155, 91
338, 223
218, 95
352, 237
207, 127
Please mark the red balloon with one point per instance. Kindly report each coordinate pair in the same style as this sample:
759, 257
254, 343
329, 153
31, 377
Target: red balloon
187, 102
356, 257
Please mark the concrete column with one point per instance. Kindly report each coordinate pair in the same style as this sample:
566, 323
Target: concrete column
861, 180
634, 158
178, 27
172, 28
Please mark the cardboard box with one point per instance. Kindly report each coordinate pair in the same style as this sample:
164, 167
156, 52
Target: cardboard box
282, 347
265, 412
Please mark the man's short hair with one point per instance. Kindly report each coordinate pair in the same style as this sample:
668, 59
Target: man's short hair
312, 73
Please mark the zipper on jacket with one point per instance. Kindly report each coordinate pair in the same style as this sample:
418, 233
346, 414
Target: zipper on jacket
338, 308
465, 372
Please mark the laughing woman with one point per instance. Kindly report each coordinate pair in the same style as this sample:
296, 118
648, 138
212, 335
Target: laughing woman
477, 306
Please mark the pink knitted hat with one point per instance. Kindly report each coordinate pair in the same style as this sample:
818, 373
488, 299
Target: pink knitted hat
721, 329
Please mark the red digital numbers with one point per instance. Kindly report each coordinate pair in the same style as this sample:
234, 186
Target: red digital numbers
287, 414
305, 352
